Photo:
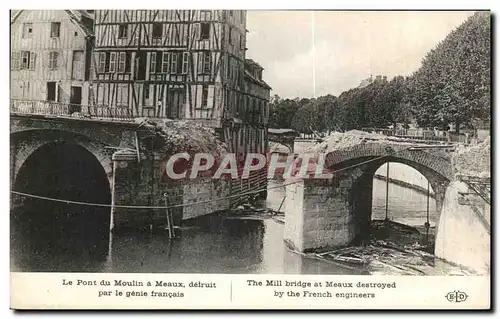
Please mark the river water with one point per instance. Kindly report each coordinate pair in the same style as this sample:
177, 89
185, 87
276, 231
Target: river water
218, 246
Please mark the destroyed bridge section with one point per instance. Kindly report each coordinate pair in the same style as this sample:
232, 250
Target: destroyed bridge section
337, 211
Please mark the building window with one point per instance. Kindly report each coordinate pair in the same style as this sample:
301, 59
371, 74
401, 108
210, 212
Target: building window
204, 62
78, 66
112, 62
102, 62
146, 91
156, 64
55, 29
165, 67
122, 95
123, 31
27, 30
157, 30
204, 31
122, 62
27, 58
205, 15
185, 62
53, 56
24, 60
230, 35
242, 42
204, 96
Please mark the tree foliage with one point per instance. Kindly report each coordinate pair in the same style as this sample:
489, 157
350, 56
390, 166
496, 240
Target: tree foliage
320, 115
451, 86
283, 110
453, 83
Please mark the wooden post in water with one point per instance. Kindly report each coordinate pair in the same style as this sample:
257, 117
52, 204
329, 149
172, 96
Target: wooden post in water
169, 220
387, 193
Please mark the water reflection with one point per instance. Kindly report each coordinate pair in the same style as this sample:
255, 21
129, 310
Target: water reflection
234, 246
207, 245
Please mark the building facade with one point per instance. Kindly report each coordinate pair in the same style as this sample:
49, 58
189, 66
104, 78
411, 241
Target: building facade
181, 64
51, 55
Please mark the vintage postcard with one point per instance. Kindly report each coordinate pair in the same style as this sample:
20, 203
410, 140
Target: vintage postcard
244, 159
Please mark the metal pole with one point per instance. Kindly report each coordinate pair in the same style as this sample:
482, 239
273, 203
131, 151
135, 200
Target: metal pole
387, 193
427, 225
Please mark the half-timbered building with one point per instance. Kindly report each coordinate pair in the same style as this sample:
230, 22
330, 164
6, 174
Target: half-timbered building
180, 64
51, 55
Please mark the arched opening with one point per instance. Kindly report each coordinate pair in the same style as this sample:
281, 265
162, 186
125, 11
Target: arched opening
55, 236
403, 195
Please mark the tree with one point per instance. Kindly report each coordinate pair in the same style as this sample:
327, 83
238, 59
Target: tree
453, 83
320, 115
283, 111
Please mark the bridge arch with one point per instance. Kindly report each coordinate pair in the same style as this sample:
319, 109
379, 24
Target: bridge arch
336, 212
24, 143
63, 165
356, 167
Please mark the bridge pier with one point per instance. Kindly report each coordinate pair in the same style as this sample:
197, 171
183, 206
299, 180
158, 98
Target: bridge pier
142, 184
327, 212
463, 235
132, 185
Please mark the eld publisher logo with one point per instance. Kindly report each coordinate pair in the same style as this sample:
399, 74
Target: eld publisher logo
456, 296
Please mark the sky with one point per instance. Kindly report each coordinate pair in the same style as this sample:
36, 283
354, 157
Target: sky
314, 53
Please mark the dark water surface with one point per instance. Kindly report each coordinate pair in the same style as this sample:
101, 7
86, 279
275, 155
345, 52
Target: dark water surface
219, 246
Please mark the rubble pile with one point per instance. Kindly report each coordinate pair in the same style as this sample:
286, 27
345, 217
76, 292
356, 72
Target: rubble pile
185, 136
338, 140
474, 160
278, 148
381, 254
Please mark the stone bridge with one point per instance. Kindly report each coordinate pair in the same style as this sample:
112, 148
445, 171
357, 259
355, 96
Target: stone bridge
114, 163
337, 211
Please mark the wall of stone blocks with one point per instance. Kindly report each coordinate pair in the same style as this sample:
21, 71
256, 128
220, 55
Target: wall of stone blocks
142, 184
205, 190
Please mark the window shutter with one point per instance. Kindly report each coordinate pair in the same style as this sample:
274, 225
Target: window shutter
32, 60
152, 64
173, 68
185, 62
102, 61
121, 62
13, 61
112, 62
166, 63
200, 62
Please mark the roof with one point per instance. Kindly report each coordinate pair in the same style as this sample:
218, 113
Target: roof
249, 76
253, 63
76, 16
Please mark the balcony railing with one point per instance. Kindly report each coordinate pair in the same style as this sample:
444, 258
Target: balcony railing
65, 109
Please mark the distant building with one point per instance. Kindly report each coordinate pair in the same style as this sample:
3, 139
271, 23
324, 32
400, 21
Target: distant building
370, 80
51, 55
365, 82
